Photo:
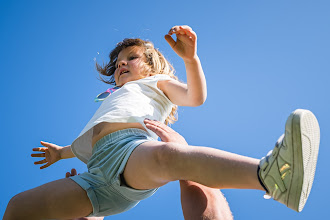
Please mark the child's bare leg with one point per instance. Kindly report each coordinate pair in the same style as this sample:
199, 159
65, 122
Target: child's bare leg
153, 164
287, 172
60, 199
74, 173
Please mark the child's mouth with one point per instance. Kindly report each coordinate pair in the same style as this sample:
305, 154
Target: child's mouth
123, 72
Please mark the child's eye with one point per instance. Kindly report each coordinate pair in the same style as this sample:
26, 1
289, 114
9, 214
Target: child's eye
132, 57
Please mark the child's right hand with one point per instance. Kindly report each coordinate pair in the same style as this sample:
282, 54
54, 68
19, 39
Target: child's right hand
186, 42
51, 153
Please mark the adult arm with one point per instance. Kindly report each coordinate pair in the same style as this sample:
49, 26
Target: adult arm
197, 201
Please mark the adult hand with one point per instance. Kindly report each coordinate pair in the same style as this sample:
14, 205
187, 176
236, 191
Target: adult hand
165, 133
198, 201
50, 152
73, 173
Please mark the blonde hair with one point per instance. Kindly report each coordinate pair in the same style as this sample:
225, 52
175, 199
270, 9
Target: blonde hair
156, 63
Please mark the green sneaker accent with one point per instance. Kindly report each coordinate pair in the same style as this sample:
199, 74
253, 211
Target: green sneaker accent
288, 170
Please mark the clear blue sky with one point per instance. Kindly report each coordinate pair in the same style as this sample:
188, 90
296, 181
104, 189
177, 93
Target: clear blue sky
262, 60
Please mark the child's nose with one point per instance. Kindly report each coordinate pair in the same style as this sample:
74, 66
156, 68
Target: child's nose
121, 63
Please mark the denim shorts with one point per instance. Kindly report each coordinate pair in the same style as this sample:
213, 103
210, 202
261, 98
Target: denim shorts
104, 181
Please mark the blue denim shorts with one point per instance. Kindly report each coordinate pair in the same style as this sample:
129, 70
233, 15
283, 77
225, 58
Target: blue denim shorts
104, 182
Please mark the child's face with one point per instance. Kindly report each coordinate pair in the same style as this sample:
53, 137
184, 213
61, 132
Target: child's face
129, 65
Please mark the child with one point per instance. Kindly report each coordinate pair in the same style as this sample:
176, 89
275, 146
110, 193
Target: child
125, 162
197, 201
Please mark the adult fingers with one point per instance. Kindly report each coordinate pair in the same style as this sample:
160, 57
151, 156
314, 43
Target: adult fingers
73, 172
162, 126
155, 127
158, 129
159, 132
155, 123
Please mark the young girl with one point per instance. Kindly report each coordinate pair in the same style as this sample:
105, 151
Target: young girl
125, 162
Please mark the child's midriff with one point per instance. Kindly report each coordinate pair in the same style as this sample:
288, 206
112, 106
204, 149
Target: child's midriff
104, 128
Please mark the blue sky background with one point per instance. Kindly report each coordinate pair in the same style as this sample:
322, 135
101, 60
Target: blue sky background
262, 60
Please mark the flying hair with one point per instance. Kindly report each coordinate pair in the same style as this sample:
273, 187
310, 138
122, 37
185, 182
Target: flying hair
156, 63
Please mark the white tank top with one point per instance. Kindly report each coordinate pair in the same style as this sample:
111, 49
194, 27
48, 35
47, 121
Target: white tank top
133, 102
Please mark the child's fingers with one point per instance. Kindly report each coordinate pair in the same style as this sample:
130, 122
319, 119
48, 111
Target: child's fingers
179, 29
41, 161
67, 175
173, 30
46, 144
183, 29
192, 35
189, 33
41, 149
38, 155
170, 40
45, 166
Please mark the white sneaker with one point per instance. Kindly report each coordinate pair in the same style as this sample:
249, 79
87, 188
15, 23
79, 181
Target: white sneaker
288, 171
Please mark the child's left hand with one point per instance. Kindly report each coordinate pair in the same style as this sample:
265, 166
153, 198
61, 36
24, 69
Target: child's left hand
50, 152
186, 42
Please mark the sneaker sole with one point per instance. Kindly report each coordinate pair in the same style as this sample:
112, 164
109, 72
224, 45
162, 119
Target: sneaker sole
303, 126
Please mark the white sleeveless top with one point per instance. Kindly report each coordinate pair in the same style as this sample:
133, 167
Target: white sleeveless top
133, 102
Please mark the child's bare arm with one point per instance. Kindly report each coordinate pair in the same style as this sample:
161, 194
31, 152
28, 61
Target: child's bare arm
51, 154
194, 93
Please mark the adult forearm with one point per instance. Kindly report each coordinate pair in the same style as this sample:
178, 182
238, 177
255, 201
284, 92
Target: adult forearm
196, 82
66, 152
201, 202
